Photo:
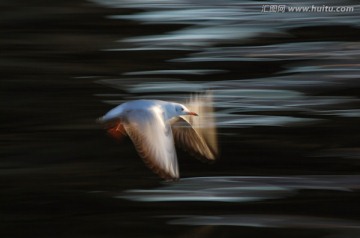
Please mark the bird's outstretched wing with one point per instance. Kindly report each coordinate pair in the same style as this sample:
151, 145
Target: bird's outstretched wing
198, 135
153, 139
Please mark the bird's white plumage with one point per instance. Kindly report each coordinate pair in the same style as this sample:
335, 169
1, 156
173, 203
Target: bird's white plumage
153, 139
154, 126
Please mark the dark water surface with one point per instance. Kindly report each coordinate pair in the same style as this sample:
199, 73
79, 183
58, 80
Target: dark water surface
287, 95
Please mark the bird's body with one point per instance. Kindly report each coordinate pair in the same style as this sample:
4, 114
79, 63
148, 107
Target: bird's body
141, 105
154, 126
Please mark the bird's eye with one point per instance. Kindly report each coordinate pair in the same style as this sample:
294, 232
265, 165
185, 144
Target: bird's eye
182, 109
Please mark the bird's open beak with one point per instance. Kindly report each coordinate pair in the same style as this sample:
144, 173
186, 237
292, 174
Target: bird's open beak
192, 113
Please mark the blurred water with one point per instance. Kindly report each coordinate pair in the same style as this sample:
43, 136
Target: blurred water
267, 221
289, 70
286, 93
240, 189
306, 70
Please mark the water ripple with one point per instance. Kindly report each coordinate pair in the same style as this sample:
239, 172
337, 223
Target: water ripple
265, 220
297, 90
240, 189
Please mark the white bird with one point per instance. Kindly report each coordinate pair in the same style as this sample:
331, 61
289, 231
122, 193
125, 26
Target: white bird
155, 126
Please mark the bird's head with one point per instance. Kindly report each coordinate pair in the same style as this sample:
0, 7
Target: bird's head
181, 110
112, 115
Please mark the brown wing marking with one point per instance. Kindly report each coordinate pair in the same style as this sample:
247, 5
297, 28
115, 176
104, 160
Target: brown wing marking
116, 130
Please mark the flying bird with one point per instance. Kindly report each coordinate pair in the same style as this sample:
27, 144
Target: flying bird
156, 126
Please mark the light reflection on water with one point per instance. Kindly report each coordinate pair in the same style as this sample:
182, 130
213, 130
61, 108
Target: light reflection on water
263, 70
266, 95
177, 72
240, 189
276, 52
214, 21
296, 71
274, 221
307, 68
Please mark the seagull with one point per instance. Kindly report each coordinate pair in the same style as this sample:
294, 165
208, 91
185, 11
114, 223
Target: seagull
156, 126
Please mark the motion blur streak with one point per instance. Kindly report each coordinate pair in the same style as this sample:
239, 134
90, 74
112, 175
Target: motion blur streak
286, 92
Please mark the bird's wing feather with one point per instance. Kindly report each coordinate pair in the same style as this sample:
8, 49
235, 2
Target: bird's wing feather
153, 139
190, 140
198, 135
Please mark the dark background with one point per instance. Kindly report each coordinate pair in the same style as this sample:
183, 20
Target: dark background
61, 175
